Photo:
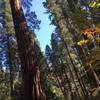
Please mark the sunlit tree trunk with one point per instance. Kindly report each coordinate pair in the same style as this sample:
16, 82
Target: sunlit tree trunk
27, 52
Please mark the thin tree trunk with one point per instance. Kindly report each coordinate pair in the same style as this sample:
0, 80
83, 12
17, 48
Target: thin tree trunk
63, 92
55, 63
74, 67
92, 70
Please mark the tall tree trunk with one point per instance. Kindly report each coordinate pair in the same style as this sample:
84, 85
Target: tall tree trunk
29, 63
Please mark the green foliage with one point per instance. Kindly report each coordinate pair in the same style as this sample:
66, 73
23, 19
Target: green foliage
94, 4
80, 18
18, 91
93, 58
5, 91
54, 92
4, 86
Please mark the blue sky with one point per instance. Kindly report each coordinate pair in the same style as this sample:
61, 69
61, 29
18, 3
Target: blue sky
44, 34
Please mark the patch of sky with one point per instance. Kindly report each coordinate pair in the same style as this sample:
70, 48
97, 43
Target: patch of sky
44, 34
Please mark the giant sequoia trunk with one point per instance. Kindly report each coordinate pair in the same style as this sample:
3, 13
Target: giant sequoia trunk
27, 51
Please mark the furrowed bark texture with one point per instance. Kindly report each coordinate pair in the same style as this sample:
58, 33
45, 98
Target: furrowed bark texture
27, 51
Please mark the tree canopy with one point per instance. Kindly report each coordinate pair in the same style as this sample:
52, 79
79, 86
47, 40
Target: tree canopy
68, 69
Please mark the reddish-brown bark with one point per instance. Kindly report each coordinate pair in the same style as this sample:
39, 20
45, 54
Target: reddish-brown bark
27, 51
